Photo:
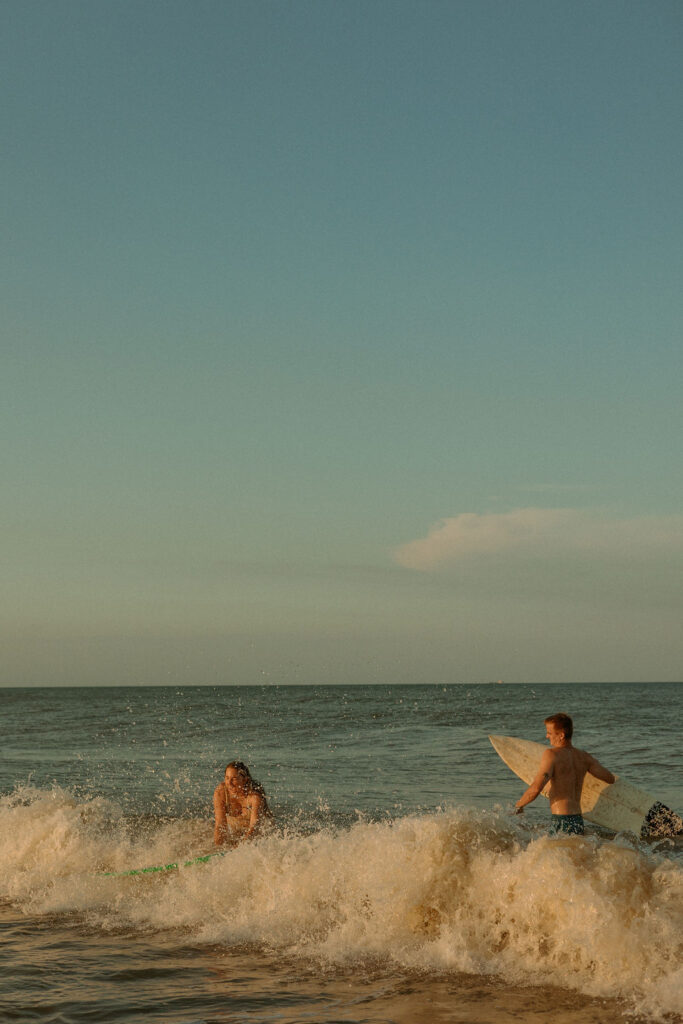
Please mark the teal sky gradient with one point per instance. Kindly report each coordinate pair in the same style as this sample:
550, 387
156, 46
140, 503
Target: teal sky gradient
286, 286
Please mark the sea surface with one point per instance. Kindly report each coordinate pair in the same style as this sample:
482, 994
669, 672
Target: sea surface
396, 885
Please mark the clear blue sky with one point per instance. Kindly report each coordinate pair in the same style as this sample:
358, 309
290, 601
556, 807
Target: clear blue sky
341, 341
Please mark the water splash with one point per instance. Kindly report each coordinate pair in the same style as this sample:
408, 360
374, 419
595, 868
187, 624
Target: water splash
458, 890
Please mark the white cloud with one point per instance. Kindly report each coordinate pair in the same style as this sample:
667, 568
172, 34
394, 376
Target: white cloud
543, 533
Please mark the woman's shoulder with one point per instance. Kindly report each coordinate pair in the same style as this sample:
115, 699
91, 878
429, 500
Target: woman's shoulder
257, 801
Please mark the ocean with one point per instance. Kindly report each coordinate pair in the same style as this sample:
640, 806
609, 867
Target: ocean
395, 888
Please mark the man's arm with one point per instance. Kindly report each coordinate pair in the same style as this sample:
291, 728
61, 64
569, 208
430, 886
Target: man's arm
544, 775
596, 769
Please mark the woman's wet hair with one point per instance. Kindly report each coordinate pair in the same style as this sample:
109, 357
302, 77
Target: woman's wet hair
252, 785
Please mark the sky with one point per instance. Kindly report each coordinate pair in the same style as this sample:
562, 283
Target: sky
341, 342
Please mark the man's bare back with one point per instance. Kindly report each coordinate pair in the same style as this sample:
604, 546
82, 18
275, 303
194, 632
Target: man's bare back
568, 766
564, 768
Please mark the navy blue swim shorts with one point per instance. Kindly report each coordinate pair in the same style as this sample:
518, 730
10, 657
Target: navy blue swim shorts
566, 824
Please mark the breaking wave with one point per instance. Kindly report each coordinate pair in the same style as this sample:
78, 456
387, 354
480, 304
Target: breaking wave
459, 890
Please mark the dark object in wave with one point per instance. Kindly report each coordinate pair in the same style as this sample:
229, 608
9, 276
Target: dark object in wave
661, 821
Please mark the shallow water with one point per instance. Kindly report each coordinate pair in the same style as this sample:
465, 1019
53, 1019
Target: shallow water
129, 978
395, 887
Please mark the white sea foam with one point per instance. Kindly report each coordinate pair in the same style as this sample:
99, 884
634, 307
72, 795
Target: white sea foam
454, 891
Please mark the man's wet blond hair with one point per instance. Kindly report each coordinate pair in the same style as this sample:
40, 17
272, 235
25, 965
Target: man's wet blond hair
562, 722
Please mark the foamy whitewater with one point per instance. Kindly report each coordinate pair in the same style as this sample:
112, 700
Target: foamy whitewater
457, 888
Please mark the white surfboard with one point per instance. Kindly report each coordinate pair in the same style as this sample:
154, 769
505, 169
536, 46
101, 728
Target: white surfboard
619, 806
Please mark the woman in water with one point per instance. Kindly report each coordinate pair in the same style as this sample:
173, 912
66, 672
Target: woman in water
239, 806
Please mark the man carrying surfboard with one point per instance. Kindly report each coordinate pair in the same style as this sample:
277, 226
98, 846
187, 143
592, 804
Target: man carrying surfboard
564, 767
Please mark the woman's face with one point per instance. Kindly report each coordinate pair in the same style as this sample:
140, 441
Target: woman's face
236, 783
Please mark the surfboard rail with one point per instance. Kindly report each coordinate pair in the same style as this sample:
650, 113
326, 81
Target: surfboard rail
156, 868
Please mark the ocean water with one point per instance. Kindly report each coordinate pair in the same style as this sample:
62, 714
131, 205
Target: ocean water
395, 887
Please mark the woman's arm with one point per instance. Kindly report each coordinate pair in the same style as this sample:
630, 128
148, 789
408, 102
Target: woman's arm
257, 808
220, 829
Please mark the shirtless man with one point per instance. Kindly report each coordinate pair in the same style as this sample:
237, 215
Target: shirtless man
239, 806
564, 767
